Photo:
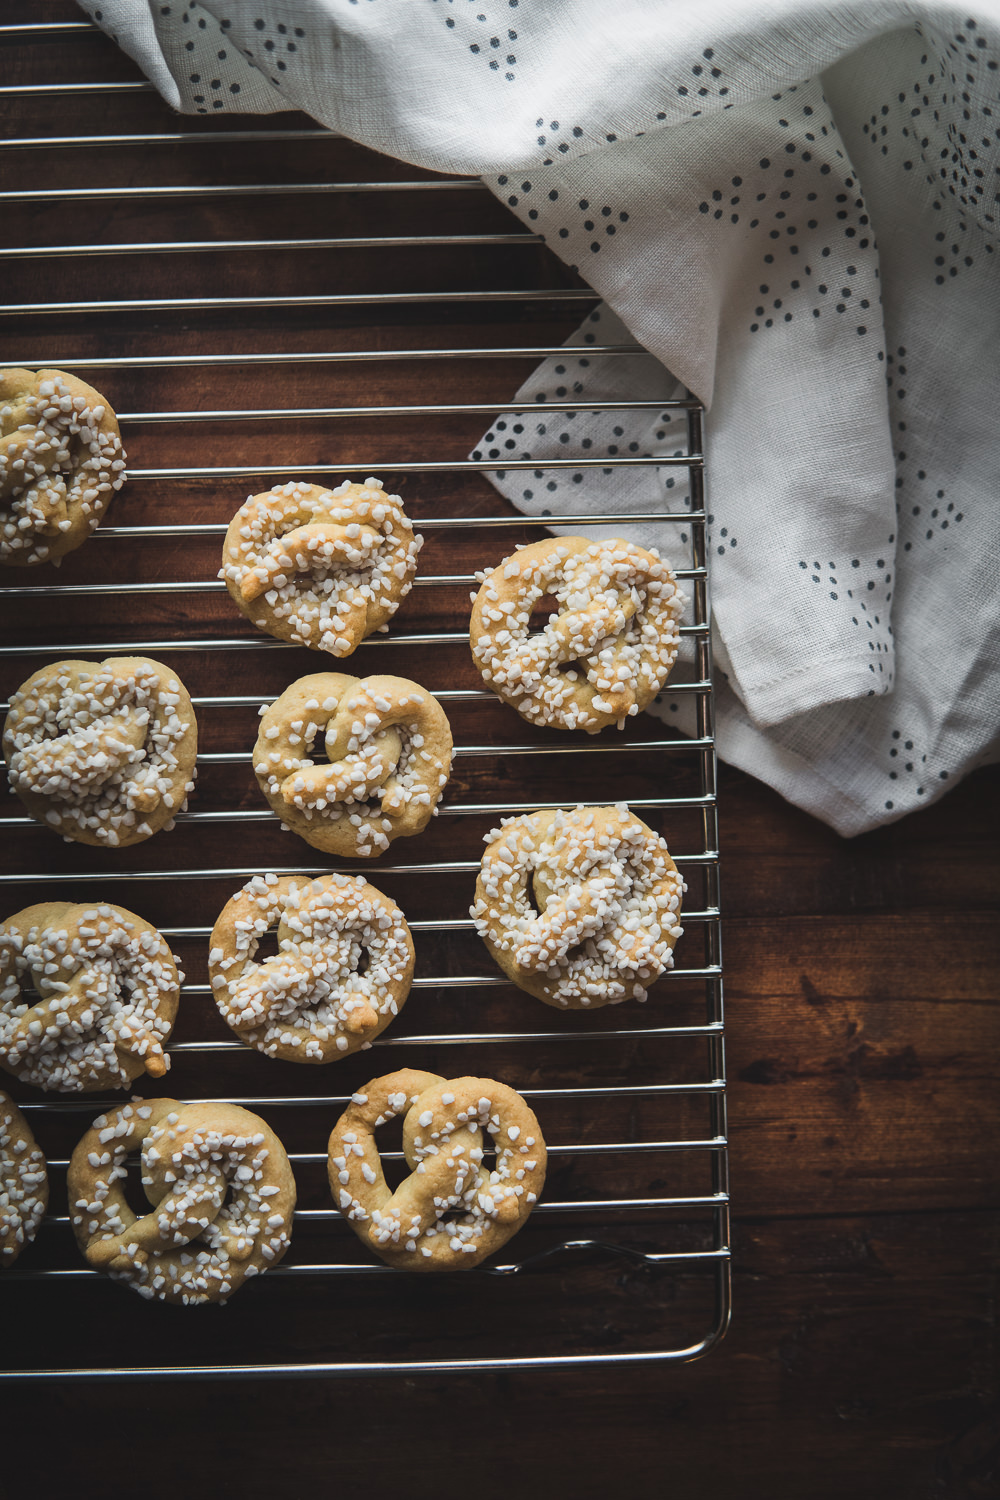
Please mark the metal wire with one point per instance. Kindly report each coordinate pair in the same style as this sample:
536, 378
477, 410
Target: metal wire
306, 413
218, 872
229, 247
40, 31
167, 193
314, 300
701, 855
73, 90
216, 586
330, 356
443, 695
162, 138
435, 524
442, 466
256, 643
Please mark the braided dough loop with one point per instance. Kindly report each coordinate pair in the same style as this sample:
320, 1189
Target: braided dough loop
580, 909
389, 747
452, 1211
24, 1182
308, 1002
322, 568
102, 752
108, 990
61, 461
220, 1185
607, 651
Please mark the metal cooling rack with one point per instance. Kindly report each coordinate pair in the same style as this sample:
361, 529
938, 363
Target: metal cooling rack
613, 1087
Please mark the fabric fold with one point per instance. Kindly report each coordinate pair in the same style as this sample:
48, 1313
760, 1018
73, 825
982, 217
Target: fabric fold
791, 207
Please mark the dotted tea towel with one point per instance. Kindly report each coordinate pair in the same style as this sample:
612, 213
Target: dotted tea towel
792, 206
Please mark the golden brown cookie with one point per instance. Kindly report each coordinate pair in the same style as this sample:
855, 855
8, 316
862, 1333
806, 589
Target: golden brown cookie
320, 567
452, 1211
61, 460
105, 990
388, 744
603, 653
24, 1182
341, 973
581, 909
220, 1185
102, 752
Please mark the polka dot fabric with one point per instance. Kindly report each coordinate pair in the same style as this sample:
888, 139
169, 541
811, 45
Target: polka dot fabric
191, 53
792, 209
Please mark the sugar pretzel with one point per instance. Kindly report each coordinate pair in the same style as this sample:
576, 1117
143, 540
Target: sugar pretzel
388, 743
320, 567
24, 1182
452, 1210
602, 655
102, 752
221, 1190
581, 908
342, 971
105, 995
61, 461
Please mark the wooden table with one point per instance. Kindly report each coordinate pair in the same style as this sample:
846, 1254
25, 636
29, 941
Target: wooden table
861, 977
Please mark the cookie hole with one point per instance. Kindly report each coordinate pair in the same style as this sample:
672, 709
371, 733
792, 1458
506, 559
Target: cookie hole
135, 1194
389, 1139
395, 1171
25, 983
316, 750
542, 613
267, 947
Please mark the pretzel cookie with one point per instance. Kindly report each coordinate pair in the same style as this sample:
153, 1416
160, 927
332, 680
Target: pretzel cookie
452, 1211
581, 909
61, 460
388, 743
605, 652
341, 973
220, 1185
322, 568
106, 993
24, 1182
102, 752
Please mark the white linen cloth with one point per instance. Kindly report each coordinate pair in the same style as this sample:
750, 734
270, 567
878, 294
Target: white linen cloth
792, 206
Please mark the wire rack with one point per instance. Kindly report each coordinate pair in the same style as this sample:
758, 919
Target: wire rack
180, 271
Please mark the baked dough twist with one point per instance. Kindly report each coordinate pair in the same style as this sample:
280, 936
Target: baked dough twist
61, 461
220, 1185
581, 908
342, 971
452, 1211
24, 1182
107, 992
102, 752
388, 742
323, 568
606, 652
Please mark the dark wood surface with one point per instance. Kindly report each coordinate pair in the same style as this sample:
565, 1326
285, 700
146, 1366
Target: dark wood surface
861, 977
